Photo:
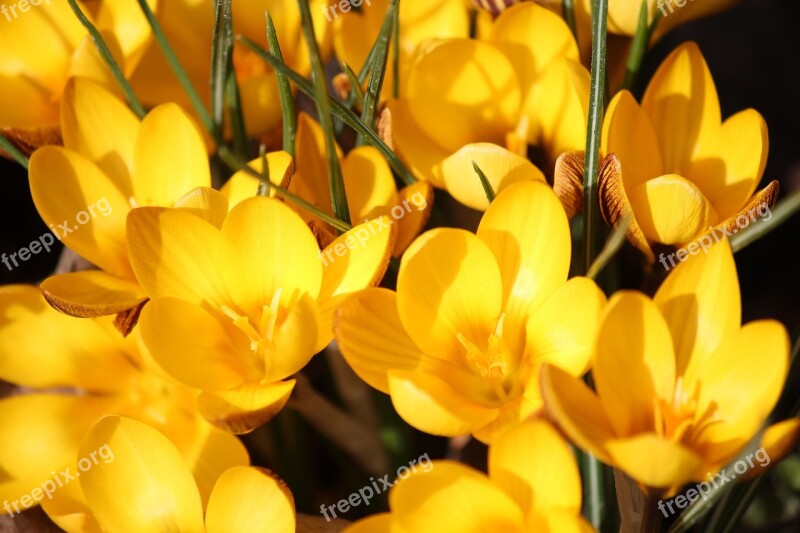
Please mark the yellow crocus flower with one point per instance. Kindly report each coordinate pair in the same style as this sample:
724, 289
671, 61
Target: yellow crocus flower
679, 394
507, 89
242, 300
680, 170
109, 157
459, 345
533, 485
148, 488
74, 372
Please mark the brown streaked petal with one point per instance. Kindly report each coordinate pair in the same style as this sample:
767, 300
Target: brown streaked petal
384, 126
127, 320
91, 293
614, 203
568, 181
323, 233
248, 406
767, 196
27, 140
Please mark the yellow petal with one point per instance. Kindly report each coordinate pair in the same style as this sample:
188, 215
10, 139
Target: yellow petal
729, 170
502, 169
242, 185
268, 247
681, 101
250, 499
562, 330
69, 511
177, 254
510, 414
159, 492
356, 260
368, 181
675, 466
453, 497
777, 442
191, 345
295, 341
260, 101
422, 153
417, 202
733, 391
377, 523
311, 181
91, 293
577, 410
246, 407
634, 363
527, 230
438, 296
127, 22
536, 467
700, 303
82, 186
628, 133
206, 203
671, 209
88, 64
99, 126
431, 405
42, 348
450, 82
512, 31
42, 433
169, 158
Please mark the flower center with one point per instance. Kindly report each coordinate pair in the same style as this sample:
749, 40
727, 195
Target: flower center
491, 363
674, 420
262, 338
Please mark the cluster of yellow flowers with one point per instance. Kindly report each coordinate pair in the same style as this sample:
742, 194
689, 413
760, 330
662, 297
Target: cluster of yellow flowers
209, 298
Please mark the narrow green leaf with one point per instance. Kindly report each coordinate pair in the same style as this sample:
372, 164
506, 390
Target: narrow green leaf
355, 85
612, 246
319, 80
638, 48
338, 109
487, 187
180, 73
18, 156
236, 164
377, 71
263, 185
396, 57
284, 91
782, 212
221, 51
105, 54
568, 12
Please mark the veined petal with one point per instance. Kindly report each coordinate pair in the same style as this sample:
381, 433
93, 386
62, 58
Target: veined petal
242, 185
176, 254
356, 260
268, 248
729, 170
81, 186
701, 304
160, 493
431, 405
417, 201
169, 158
295, 341
671, 209
91, 293
450, 82
206, 203
192, 346
368, 181
577, 410
676, 465
99, 126
246, 407
510, 414
438, 296
681, 101
634, 363
562, 330
453, 497
250, 499
734, 391
628, 133
527, 230
502, 169
68, 509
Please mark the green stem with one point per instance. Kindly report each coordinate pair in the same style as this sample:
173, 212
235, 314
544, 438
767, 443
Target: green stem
236, 164
338, 109
591, 219
638, 48
284, 91
396, 58
335, 178
105, 54
378, 71
593, 493
18, 156
568, 12
180, 73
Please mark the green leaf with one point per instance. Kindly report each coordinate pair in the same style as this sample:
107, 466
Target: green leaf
18, 156
224, 88
487, 187
284, 92
782, 212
